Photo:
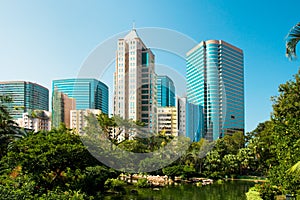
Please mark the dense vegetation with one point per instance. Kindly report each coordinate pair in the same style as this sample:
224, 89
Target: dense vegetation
56, 165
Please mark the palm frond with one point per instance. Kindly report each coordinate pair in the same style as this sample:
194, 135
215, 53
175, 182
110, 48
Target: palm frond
295, 169
292, 40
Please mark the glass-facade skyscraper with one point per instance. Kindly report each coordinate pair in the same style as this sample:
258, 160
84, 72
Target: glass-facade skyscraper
88, 93
25, 96
215, 80
190, 119
165, 91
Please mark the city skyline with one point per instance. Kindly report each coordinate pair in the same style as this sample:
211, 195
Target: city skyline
47, 43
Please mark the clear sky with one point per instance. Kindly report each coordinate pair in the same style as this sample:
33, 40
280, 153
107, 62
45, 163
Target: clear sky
45, 40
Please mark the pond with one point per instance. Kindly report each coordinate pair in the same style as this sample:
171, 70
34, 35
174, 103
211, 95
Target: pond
230, 190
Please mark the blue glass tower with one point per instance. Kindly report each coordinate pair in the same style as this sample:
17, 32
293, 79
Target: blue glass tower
215, 80
25, 96
190, 119
165, 91
88, 93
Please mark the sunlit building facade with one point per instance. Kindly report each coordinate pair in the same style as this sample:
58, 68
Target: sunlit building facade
215, 80
165, 91
135, 82
62, 104
36, 120
25, 96
88, 93
78, 119
167, 120
190, 119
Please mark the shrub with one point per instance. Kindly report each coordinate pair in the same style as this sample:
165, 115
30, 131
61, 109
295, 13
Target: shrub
115, 185
142, 183
252, 194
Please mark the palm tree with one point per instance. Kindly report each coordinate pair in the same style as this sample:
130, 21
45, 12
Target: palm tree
295, 169
292, 40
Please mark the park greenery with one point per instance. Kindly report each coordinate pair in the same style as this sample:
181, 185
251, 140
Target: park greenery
57, 165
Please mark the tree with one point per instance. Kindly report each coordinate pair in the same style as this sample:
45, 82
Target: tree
292, 40
8, 127
49, 157
286, 134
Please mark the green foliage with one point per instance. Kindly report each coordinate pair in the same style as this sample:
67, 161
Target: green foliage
115, 185
295, 169
188, 171
219, 181
9, 131
95, 178
48, 156
292, 40
142, 183
24, 187
253, 194
268, 191
173, 171
286, 135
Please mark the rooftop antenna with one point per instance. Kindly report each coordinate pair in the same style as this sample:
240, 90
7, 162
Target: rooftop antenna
133, 25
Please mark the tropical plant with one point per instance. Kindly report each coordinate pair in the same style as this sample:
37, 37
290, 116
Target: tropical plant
292, 40
9, 131
295, 169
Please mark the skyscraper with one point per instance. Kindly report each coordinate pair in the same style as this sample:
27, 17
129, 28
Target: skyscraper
135, 81
26, 96
165, 91
190, 119
88, 93
79, 94
215, 80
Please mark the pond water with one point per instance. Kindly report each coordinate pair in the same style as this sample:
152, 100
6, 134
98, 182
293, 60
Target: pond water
230, 190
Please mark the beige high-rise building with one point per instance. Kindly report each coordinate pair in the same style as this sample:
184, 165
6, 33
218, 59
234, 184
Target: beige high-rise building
78, 121
167, 120
135, 82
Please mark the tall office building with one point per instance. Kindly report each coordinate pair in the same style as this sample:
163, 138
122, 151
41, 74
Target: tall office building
215, 80
25, 96
165, 91
88, 93
135, 82
190, 119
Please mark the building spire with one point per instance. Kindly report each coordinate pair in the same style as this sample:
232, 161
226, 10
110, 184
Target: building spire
133, 25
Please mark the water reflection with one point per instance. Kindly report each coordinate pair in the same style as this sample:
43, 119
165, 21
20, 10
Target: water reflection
231, 190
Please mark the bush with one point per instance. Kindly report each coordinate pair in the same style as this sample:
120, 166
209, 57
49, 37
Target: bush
252, 194
142, 183
115, 185
267, 191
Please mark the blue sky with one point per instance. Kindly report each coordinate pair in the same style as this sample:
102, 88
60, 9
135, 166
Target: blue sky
45, 40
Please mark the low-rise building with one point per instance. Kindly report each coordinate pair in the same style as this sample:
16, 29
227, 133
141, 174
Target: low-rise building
167, 120
36, 120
